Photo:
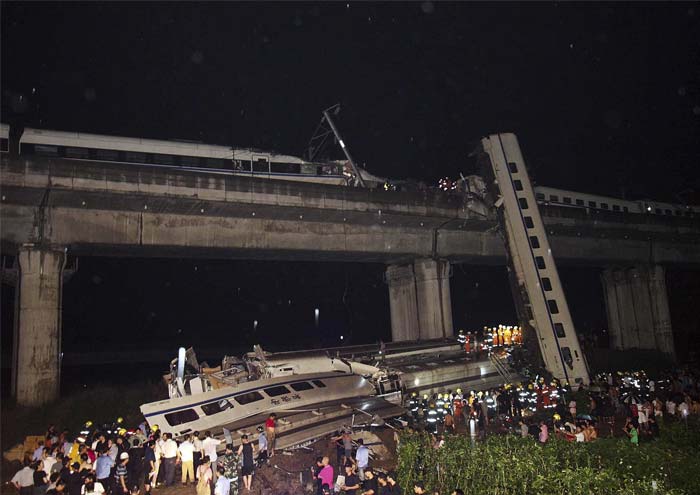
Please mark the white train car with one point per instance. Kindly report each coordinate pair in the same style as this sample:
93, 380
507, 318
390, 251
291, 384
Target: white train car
572, 199
187, 155
4, 138
227, 405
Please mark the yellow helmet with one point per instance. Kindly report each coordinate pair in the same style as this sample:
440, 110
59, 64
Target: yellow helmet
413, 394
425, 396
88, 424
121, 432
154, 427
447, 406
556, 417
120, 420
459, 390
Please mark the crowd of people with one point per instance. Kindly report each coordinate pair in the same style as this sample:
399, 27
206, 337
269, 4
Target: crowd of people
114, 461
109, 460
540, 407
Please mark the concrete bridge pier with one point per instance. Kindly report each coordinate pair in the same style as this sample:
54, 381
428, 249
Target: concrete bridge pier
637, 307
37, 343
419, 300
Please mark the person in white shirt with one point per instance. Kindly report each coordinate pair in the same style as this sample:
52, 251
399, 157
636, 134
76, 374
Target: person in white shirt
209, 447
170, 454
683, 410
49, 460
361, 458
223, 485
198, 454
186, 450
24, 480
92, 487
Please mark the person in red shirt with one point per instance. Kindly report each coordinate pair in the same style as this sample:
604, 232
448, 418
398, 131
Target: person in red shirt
270, 427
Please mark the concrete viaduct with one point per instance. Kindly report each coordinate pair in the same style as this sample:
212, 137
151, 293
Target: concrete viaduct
53, 207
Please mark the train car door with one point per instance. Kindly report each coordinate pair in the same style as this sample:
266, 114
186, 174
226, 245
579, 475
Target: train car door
261, 166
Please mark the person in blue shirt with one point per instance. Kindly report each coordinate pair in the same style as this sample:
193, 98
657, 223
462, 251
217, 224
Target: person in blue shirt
103, 467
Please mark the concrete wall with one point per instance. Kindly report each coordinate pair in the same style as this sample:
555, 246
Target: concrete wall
39, 320
419, 300
637, 308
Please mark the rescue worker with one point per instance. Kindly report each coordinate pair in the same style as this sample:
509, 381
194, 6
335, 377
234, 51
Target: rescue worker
500, 335
413, 404
461, 338
494, 337
467, 343
432, 419
507, 336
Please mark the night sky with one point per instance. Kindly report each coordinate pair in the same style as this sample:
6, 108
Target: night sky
605, 98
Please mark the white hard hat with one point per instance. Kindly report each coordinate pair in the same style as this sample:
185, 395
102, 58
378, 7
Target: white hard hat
124, 455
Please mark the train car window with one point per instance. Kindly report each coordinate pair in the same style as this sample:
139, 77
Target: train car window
539, 260
189, 161
82, 153
318, 383
592, 204
604, 206
567, 200
616, 207
107, 155
301, 386
163, 159
275, 391
133, 156
579, 202
45, 150
261, 165
553, 308
518, 185
242, 165
216, 407
513, 168
4, 144
658, 211
554, 198
559, 330
523, 203
216, 163
528, 223
244, 399
179, 417
625, 209
285, 168
539, 196
546, 284
534, 242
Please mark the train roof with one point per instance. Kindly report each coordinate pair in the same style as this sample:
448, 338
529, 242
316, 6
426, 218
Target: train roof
169, 147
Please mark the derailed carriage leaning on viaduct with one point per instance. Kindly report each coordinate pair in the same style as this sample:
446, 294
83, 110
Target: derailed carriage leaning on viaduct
66, 195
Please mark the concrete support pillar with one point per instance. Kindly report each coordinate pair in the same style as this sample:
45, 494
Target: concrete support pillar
434, 300
419, 299
637, 307
38, 335
402, 302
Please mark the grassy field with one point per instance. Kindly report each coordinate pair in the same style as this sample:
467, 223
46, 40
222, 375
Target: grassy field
512, 465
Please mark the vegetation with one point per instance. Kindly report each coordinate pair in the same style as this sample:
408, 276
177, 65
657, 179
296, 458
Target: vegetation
513, 465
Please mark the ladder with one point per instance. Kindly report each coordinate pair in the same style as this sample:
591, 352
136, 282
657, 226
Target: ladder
531, 259
502, 368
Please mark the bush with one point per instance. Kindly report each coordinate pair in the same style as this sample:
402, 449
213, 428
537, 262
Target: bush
514, 465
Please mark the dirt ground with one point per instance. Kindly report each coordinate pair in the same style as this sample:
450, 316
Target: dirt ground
288, 472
